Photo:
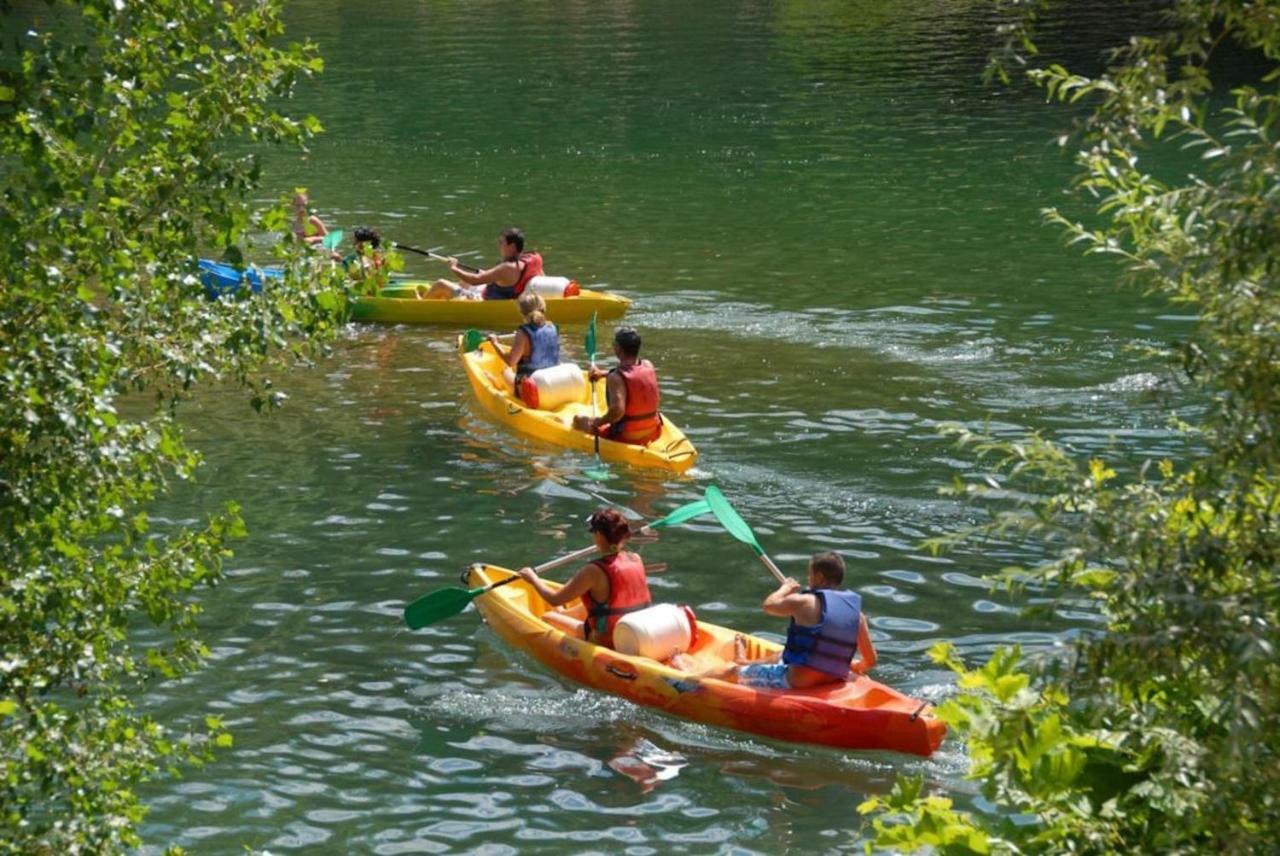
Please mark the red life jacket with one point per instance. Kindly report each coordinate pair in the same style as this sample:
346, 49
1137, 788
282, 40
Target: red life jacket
640, 423
628, 592
532, 266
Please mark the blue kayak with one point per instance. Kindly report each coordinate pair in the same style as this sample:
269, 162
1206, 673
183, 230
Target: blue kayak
219, 279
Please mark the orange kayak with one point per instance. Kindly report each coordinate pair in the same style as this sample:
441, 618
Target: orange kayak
857, 714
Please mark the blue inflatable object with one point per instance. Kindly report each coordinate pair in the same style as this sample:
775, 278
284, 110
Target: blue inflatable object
220, 279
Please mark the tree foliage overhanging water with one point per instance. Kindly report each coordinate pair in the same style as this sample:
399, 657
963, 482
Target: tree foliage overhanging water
1156, 734
116, 119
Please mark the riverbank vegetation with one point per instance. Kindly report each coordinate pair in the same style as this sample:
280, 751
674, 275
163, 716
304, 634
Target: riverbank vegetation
1156, 734
120, 124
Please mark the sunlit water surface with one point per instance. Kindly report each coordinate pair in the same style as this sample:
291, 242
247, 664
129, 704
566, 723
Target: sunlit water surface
830, 230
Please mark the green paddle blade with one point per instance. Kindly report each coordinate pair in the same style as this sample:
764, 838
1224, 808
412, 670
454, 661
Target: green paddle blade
591, 339
731, 520
471, 340
332, 239
683, 513
438, 605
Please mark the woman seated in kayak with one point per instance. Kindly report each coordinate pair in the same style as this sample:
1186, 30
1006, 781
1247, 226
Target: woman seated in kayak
827, 629
536, 343
504, 281
307, 227
610, 587
631, 393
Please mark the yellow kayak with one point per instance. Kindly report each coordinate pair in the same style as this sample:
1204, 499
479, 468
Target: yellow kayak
671, 451
398, 305
856, 714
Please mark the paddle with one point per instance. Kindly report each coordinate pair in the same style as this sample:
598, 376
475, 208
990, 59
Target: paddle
443, 603
473, 339
738, 528
331, 240
599, 472
432, 255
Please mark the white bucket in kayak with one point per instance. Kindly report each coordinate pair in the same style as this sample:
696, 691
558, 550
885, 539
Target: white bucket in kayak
657, 632
553, 286
555, 386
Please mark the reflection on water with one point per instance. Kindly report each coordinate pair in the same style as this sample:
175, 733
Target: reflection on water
830, 232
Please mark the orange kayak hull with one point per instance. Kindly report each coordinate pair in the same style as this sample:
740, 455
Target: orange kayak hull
857, 714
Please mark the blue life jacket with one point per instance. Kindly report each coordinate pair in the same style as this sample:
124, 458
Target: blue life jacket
544, 348
829, 645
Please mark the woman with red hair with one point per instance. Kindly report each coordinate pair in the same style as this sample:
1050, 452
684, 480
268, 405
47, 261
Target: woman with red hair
610, 587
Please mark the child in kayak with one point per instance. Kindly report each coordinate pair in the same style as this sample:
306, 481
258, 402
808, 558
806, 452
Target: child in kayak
536, 342
504, 281
307, 227
632, 395
828, 628
364, 263
610, 587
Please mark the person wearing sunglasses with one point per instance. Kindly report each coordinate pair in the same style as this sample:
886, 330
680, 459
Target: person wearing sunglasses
610, 587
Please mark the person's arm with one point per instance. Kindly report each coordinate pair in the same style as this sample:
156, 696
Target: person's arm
519, 347
314, 231
616, 397
866, 656
786, 600
575, 588
495, 274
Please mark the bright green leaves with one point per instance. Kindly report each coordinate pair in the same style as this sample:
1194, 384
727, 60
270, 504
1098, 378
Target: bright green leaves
923, 822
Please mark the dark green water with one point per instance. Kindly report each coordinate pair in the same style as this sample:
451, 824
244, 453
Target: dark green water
830, 230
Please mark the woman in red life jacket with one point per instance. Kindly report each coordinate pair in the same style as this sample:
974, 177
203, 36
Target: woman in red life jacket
610, 587
504, 281
632, 395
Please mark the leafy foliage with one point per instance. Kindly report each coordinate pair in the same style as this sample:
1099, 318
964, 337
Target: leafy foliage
1158, 733
124, 132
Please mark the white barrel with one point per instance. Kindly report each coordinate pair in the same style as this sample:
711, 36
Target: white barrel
555, 386
657, 632
552, 286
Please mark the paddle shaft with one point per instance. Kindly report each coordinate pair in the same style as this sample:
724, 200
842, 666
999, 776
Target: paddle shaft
545, 566
435, 256
773, 569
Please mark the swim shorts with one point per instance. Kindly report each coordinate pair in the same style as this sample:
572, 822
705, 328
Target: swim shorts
765, 676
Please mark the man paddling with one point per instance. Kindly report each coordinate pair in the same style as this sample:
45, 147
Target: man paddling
828, 628
504, 281
631, 393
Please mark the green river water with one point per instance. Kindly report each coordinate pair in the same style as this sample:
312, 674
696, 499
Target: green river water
830, 230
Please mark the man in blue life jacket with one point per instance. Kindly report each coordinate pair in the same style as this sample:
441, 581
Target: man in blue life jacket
827, 629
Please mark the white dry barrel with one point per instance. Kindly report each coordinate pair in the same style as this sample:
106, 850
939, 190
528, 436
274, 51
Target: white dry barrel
657, 632
553, 286
555, 386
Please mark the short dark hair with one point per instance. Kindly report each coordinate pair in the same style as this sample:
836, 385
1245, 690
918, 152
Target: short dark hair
611, 524
514, 236
627, 340
830, 566
364, 233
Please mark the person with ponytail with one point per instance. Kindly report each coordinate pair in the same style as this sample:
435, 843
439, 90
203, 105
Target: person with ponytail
610, 587
536, 342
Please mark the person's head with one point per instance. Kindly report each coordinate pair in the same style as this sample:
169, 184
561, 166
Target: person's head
609, 528
826, 570
511, 243
365, 235
626, 342
300, 203
533, 308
